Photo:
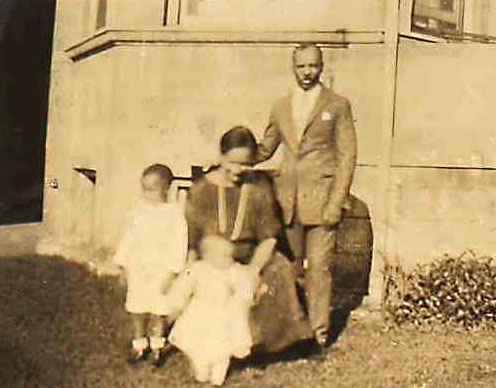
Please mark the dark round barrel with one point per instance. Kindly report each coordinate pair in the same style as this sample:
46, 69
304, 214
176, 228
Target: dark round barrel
352, 264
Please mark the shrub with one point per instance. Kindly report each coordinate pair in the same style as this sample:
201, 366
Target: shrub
458, 291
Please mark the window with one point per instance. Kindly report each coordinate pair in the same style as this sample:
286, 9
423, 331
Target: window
88, 173
456, 20
176, 10
282, 15
437, 17
101, 14
172, 12
93, 16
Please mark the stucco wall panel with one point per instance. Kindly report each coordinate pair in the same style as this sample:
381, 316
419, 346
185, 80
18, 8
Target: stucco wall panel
171, 104
444, 114
441, 211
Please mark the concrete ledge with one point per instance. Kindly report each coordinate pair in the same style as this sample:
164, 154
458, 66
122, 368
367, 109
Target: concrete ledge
106, 39
97, 260
19, 240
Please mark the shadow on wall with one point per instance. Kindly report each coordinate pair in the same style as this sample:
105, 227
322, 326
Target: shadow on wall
26, 28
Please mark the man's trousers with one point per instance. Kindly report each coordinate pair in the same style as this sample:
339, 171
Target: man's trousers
316, 244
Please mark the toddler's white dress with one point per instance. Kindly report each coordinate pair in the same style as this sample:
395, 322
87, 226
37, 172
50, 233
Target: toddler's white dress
214, 323
153, 246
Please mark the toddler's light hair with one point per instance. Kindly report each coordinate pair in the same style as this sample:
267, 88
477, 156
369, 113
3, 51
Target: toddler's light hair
216, 246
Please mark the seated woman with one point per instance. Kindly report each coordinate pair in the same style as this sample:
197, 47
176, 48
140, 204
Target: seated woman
240, 206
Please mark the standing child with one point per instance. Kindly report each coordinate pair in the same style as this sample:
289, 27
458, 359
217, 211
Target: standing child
215, 295
152, 251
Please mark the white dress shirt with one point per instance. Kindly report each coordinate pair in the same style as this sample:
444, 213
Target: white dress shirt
303, 101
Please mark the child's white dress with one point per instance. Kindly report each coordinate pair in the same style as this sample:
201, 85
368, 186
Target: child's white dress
153, 246
214, 324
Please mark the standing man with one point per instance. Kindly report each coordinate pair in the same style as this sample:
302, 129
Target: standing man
316, 128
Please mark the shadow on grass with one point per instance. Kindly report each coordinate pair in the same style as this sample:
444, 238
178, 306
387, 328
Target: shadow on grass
303, 350
62, 326
55, 315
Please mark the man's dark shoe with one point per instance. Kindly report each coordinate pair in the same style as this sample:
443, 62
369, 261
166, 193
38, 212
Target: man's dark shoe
321, 337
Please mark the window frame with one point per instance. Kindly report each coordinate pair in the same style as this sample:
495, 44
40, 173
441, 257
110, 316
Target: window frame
455, 17
461, 35
101, 13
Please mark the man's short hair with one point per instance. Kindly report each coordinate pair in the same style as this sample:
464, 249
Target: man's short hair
308, 45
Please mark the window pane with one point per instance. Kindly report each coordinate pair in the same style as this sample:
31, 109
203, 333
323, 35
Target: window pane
101, 14
283, 14
437, 16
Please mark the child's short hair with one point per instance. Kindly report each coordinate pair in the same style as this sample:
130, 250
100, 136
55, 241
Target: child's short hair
160, 170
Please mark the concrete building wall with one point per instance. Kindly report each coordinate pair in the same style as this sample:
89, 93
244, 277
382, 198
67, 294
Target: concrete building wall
444, 165
441, 211
480, 17
135, 107
426, 174
444, 111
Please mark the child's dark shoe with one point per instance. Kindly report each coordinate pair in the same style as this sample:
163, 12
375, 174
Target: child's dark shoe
156, 358
135, 356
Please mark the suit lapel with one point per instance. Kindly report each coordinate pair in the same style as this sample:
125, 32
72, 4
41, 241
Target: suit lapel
321, 101
289, 127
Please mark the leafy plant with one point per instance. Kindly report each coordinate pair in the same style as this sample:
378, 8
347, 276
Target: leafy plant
459, 291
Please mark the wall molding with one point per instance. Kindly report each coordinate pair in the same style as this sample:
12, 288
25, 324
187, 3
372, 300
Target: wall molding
106, 39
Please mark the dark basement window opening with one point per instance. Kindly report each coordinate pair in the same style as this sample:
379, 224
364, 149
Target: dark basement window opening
88, 173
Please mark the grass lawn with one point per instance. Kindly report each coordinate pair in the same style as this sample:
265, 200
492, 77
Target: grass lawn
61, 326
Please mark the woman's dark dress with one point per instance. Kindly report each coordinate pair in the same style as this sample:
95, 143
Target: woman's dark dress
277, 319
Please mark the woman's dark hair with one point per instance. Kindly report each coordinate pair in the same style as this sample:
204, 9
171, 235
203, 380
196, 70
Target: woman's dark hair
162, 171
238, 137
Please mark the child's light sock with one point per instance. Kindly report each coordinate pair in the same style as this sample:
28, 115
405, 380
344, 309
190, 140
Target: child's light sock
201, 371
241, 352
157, 343
219, 372
140, 344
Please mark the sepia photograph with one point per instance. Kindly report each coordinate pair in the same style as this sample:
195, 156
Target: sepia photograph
247, 193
